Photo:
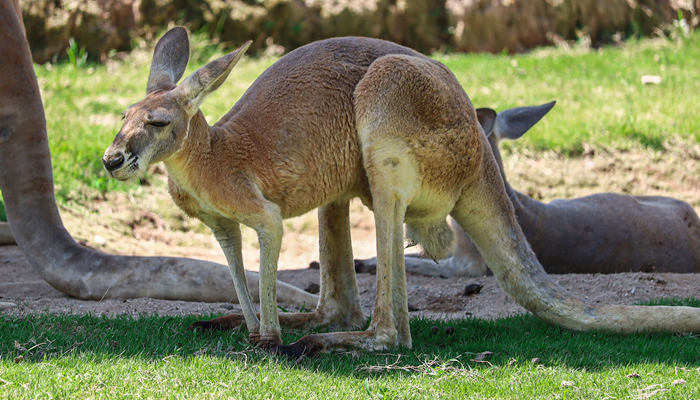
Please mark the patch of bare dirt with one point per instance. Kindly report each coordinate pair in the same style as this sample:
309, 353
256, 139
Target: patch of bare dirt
145, 222
429, 297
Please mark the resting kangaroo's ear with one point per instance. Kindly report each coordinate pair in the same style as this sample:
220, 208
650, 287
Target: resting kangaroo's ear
487, 117
169, 60
513, 123
192, 91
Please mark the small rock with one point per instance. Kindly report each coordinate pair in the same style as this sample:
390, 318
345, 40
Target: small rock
228, 306
412, 307
434, 330
6, 305
450, 330
313, 288
314, 265
536, 360
567, 384
472, 288
634, 375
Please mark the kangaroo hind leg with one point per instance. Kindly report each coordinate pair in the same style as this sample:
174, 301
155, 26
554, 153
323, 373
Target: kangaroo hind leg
393, 178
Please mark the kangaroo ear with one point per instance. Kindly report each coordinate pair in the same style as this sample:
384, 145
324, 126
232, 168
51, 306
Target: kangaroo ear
487, 118
169, 60
192, 91
513, 123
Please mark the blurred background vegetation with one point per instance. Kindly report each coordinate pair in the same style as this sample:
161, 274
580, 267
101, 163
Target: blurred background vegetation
105, 26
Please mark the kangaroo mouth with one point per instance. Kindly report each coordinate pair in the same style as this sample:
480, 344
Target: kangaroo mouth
122, 166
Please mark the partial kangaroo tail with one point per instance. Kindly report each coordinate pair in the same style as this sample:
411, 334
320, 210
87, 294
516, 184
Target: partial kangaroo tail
487, 216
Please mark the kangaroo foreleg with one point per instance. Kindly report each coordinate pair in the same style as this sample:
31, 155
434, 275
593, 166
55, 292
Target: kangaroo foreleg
339, 301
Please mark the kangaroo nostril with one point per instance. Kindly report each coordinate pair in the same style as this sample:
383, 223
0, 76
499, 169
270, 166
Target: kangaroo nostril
112, 163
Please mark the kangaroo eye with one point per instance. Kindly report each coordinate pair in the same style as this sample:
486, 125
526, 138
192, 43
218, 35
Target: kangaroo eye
159, 124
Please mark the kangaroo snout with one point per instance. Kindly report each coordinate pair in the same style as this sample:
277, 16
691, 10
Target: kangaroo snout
113, 162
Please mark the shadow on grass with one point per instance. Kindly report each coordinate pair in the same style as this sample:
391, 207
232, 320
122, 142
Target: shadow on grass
515, 340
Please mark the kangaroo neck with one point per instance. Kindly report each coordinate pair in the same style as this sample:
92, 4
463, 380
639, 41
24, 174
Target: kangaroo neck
529, 211
196, 144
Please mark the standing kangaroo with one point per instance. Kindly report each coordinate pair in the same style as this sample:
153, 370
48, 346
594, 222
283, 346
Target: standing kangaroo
330, 121
600, 233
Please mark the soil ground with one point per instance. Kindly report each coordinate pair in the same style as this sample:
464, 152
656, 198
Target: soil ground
145, 222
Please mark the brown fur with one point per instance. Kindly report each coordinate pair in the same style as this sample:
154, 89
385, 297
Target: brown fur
609, 232
600, 233
332, 120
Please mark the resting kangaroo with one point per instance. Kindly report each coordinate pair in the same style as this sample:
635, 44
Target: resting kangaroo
333, 120
600, 233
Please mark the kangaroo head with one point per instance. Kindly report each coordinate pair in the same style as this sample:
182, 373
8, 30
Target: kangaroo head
155, 128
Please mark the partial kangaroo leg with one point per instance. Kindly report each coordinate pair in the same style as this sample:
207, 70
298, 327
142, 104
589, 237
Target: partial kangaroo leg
382, 332
398, 277
387, 164
228, 234
339, 302
268, 225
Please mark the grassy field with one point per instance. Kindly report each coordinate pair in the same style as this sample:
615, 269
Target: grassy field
601, 99
53, 356
601, 103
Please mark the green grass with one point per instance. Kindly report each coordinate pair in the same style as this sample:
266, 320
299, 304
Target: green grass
156, 357
3, 216
601, 101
